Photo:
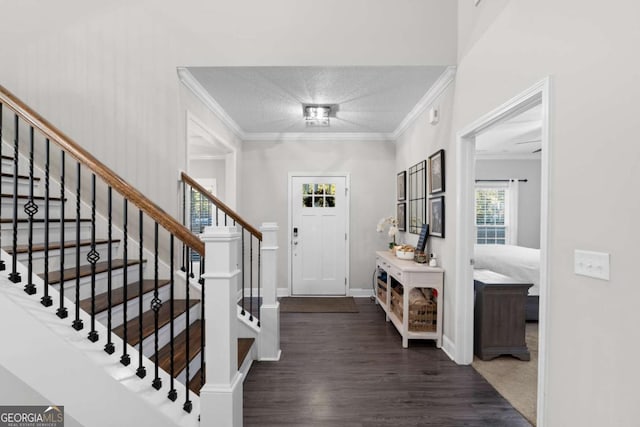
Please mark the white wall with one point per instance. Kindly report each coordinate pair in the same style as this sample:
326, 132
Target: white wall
105, 73
14, 391
264, 194
528, 193
209, 169
588, 48
417, 143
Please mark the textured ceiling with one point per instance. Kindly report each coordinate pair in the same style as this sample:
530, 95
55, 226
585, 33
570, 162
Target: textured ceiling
270, 99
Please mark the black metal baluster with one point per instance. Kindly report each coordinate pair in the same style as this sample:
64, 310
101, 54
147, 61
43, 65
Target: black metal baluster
46, 299
61, 312
77, 323
141, 371
109, 347
242, 238
93, 256
184, 222
125, 359
190, 258
15, 276
217, 213
250, 277
259, 262
188, 406
2, 265
30, 208
156, 304
173, 394
225, 220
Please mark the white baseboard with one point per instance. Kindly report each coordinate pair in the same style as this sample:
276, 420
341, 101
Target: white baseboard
360, 292
448, 347
282, 292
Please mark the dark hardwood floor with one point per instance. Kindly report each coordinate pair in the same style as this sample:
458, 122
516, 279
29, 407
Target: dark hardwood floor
349, 369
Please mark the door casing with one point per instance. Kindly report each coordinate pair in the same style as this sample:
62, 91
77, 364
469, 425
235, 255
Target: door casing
347, 177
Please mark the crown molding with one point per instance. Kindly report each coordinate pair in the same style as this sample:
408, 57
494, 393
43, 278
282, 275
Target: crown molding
508, 156
318, 136
445, 79
201, 93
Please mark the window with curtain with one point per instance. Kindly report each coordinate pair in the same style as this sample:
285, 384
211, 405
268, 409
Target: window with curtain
496, 213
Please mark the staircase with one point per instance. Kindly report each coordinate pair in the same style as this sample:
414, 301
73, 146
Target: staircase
117, 281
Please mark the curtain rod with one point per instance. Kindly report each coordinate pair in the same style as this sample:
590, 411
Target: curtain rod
500, 180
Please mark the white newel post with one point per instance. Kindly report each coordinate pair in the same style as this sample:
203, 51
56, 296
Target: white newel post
269, 338
221, 396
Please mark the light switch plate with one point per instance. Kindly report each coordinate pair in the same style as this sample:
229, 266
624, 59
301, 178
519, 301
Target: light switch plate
591, 264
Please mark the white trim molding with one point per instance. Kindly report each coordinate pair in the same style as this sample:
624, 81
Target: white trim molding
445, 79
201, 93
318, 136
360, 292
540, 93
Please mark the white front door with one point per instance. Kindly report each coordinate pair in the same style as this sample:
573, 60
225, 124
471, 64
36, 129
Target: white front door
318, 235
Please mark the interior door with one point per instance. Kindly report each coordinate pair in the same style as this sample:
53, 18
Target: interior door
318, 235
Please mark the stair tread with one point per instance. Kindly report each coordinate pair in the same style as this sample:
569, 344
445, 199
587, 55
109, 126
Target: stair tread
244, 345
148, 320
10, 175
85, 270
26, 196
117, 295
180, 354
25, 220
56, 245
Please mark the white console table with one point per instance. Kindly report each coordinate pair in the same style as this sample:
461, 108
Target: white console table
410, 275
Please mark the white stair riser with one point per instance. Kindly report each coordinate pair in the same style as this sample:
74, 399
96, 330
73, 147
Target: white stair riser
101, 282
69, 257
194, 367
39, 232
164, 334
7, 208
23, 185
117, 312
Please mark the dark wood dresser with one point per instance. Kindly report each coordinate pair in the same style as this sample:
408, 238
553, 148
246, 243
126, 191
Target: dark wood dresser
499, 316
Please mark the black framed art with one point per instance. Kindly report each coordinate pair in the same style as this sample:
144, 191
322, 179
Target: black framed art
436, 172
401, 215
436, 216
401, 188
417, 196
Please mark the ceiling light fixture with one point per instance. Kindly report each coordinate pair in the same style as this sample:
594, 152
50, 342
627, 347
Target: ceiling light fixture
317, 115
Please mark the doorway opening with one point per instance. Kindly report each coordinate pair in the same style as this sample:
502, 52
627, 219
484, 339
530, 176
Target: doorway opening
496, 221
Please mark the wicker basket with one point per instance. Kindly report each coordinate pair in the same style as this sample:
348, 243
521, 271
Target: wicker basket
396, 301
424, 318
381, 290
423, 308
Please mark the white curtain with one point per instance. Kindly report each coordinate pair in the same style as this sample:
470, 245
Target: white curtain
512, 212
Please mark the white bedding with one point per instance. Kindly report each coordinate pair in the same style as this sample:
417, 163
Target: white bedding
514, 261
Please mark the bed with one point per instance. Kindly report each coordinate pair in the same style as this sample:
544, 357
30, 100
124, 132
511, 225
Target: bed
514, 261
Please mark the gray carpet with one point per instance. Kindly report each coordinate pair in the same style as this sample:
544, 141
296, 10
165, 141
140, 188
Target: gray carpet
514, 379
318, 305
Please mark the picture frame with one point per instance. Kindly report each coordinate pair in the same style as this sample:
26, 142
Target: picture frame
401, 215
401, 186
417, 197
436, 216
436, 172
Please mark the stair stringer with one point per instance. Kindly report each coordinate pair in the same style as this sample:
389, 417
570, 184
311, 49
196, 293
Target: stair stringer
67, 369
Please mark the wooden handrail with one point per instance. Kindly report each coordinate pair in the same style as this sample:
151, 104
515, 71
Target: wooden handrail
220, 205
105, 173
